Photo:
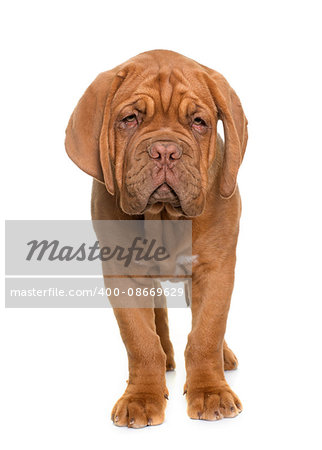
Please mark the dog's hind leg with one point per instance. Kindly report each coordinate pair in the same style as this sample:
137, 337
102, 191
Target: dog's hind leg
162, 329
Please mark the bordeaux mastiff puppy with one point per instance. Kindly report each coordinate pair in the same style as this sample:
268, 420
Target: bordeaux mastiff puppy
146, 131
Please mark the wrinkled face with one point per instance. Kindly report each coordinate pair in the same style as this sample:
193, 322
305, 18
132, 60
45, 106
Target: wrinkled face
163, 132
147, 130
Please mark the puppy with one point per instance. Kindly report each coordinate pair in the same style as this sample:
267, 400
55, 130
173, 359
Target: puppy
146, 131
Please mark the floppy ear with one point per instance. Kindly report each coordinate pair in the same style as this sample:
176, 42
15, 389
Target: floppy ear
86, 134
235, 128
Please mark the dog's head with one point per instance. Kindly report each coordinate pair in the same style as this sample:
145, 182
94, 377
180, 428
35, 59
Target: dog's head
148, 130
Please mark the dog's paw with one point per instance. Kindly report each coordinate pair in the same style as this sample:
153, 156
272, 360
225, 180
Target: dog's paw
230, 359
170, 364
169, 352
213, 402
139, 409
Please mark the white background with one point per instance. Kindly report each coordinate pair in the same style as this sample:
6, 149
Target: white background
62, 370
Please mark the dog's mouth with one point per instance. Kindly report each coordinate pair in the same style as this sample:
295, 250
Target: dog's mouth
164, 194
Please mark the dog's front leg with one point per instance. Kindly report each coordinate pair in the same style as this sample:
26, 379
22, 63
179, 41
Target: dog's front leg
144, 400
209, 396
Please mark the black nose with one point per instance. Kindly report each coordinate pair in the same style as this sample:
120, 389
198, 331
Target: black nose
165, 151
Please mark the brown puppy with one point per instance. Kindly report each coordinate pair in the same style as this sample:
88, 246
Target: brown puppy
146, 131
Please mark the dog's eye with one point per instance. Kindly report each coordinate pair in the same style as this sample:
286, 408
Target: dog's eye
130, 119
199, 122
